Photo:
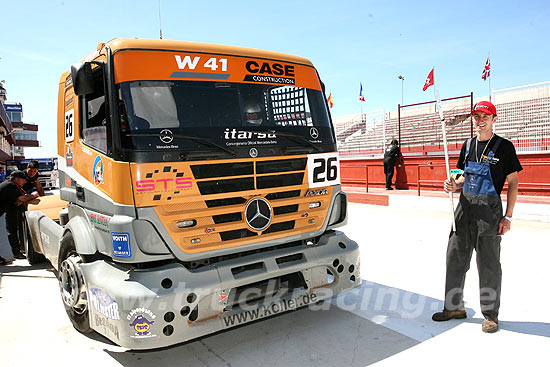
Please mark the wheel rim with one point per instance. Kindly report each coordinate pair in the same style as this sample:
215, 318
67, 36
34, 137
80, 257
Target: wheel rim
71, 283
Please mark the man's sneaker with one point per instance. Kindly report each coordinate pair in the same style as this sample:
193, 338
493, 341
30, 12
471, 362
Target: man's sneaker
489, 325
448, 315
19, 255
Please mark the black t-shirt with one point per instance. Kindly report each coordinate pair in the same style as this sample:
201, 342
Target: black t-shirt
9, 192
31, 182
391, 152
506, 158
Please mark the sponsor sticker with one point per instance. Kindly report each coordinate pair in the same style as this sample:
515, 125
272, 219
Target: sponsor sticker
100, 222
316, 192
121, 244
143, 320
104, 304
98, 171
456, 173
269, 310
108, 326
69, 156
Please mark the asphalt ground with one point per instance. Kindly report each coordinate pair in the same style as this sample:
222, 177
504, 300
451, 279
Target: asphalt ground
385, 322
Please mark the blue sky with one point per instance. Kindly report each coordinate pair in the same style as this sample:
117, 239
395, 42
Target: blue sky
348, 41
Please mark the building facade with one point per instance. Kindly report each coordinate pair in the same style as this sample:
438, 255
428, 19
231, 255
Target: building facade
26, 135
7, 139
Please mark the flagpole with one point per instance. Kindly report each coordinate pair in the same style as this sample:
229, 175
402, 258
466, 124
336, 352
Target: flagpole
489, 58
444, 133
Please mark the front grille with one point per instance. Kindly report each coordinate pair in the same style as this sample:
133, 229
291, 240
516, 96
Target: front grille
222, 170
285, 209
267, 182
223, 186
278, 227
285, 165
225, 202
222, 193
239, 233
227, 218
282, 195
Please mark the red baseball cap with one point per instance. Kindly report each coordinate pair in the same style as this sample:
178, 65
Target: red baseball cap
485, 107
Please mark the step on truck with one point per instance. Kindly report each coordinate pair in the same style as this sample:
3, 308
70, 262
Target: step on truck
199, 190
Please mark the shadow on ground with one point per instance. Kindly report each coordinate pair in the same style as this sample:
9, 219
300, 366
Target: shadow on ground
411, 313
300, 338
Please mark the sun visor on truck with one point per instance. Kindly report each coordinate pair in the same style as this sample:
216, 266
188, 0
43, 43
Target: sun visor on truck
131, 65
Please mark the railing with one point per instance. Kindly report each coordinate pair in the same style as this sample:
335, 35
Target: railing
437, 184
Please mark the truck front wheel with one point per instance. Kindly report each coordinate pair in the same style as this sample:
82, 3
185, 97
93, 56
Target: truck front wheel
72, 286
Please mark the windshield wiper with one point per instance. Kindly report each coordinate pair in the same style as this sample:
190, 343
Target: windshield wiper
203, 141
296, 138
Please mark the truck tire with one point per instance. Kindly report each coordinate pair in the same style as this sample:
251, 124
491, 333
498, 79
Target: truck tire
33, 257
72, 286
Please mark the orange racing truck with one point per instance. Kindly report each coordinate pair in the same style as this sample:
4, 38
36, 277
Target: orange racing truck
199, 190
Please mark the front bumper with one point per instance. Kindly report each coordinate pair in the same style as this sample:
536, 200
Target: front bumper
145, 309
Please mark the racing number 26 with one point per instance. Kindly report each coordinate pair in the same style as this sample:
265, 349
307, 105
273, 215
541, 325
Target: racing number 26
69, 126
325, 169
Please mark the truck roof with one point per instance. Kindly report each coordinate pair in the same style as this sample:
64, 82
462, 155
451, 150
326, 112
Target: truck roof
118, 44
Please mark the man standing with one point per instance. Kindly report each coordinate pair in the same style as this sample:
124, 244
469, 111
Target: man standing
12, 196
2, 174
488, 160
391, 155
32, 178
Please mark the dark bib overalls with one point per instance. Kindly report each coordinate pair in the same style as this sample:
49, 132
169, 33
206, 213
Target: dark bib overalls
477, 217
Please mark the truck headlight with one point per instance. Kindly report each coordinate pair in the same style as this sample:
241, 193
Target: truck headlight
147, 238
338, 213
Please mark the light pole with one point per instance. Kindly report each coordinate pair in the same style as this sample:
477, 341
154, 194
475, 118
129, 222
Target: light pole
402, 80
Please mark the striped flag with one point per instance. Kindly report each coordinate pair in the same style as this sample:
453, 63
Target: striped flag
329, 100
361, 95
487, 69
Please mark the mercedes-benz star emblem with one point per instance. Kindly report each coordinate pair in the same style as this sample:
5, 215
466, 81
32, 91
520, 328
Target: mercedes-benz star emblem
314, 133
166, 136
258, 214
253, 152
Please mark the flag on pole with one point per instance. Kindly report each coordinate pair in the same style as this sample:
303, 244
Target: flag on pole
429, 80
329, 100
486, 69
361, 95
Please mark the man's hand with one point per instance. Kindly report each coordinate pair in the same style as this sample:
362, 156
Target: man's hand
450, 185
503, 226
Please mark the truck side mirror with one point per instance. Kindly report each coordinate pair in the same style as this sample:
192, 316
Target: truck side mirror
83, 81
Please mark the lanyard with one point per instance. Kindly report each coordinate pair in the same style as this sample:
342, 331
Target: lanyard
478, 159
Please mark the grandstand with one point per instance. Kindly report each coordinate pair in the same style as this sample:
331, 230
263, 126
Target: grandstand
524, 118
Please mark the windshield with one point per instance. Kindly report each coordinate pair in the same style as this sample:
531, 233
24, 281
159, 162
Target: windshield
43, 165
190, 116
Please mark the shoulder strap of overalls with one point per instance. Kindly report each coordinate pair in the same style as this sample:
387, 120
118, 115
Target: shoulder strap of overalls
468, 143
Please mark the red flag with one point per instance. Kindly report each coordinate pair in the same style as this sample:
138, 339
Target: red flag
329, 100
429, 80
361, 95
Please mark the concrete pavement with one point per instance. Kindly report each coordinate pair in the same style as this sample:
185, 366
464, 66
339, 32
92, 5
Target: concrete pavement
385, 322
